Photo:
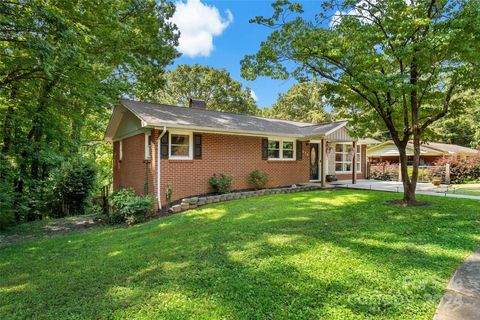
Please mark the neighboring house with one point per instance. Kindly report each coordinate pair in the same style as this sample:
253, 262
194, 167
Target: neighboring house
156, 145
430, 152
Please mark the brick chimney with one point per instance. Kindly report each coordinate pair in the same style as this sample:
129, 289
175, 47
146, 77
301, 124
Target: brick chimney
197, 104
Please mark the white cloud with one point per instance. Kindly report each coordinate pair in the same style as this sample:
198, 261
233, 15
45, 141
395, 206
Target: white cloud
254, 95
198, 24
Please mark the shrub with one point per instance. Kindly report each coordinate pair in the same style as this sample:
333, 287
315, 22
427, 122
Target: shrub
461, 170
221, 182
73, 184
258, 179
128, 207
384, 171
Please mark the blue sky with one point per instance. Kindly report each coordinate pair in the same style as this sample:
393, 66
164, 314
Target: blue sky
233, 37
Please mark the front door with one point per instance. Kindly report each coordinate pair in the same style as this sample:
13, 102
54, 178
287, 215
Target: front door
314, 161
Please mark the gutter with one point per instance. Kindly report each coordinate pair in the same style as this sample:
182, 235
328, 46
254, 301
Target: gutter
159, 200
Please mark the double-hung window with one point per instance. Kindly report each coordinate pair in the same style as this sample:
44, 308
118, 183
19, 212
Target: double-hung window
180, 145
343, 158
281, 149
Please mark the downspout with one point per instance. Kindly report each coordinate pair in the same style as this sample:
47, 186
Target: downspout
159, 200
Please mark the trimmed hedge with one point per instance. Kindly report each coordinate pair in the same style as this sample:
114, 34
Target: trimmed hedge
461, 170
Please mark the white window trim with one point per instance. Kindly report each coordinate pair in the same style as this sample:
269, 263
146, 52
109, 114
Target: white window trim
147, 147
357, 153
281, 140
190, 144
120, 156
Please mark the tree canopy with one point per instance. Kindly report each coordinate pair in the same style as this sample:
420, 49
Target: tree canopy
398, 64
215, 86
304, 101
63, 64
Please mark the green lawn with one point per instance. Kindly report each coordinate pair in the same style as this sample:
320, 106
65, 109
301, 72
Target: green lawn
472, 189
326, 254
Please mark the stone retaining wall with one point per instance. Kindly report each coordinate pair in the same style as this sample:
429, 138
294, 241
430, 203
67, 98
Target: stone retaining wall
194, 202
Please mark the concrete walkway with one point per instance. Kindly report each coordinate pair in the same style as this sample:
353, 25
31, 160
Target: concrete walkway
462, 298
396, 186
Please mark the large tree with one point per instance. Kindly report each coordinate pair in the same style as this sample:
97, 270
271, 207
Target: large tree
63, 63
399, 64
215, 86
304, 101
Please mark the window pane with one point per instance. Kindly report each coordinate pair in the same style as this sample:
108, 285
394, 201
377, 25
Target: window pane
180, 151
347, 166
338, 157
288, 145
274, 154
349, 148
338, 167
359, 167
272, 144
288, 154
180, 139
339, 147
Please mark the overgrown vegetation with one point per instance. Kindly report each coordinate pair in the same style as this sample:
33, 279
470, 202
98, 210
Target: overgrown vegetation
221, 183
72, 186
258, 179
62, 67
341, 254
384, 171
461, 170
127, 207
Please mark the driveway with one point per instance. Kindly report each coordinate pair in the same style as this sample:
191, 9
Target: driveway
396, 186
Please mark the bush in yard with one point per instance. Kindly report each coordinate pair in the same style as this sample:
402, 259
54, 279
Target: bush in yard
258, 179
128, 207
384, 171
221, 182
461, 170
73, 184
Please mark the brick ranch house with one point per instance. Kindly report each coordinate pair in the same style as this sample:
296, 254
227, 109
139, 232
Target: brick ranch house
156, 145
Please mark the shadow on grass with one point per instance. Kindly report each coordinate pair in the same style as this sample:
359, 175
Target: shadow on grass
338, 254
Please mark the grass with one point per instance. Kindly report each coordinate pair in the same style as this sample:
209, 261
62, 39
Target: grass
326, 254
471, 189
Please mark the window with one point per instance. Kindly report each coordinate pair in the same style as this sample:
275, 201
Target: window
343, 158
180, 145
148, 141
279, 149
287, 151
121, 149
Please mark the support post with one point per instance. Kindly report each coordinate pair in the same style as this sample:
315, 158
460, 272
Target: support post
447, 173
354, 162
323, 166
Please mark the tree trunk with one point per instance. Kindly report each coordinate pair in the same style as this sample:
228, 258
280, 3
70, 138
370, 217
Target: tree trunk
408, 187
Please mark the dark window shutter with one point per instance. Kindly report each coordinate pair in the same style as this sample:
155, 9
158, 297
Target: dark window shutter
164, 146
197, 146
299, 150
264, 149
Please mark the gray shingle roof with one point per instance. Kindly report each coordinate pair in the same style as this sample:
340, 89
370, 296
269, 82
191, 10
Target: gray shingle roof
451, 148
157, 115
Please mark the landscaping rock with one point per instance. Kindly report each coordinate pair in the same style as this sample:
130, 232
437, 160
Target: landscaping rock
185, 206
201, 201
208, 200
192, 200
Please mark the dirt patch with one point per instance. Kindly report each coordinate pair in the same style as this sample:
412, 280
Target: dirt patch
47, 229
402, 203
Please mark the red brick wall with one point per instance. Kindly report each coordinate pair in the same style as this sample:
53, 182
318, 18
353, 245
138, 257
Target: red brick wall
132, 170
233, 155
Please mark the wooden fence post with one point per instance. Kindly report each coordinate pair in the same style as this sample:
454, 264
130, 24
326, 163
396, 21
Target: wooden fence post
447, 173
400, 172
